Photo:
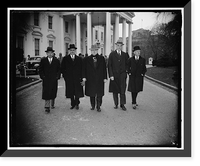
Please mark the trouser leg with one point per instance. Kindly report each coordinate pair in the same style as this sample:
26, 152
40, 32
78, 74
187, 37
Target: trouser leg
52, 102
92, 101
134, 96
72, 101
77, 101
115, 98
47, 104
99, 101
122, 99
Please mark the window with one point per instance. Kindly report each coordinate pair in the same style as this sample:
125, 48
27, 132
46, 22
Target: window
37, 47
66, 27
102, 36
36, 19
96, 35
50, 22
51, 44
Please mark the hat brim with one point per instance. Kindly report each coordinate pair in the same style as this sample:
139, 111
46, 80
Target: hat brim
50, 50
120, 43
72, 48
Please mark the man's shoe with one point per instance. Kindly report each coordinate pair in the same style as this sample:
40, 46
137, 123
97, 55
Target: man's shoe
134, 106
47, 110
72, 107
123, 107
52, 107
92, 108
99, 109
77, 107
115, 107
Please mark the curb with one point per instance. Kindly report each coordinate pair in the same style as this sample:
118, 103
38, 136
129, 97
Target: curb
162, 83
28, 85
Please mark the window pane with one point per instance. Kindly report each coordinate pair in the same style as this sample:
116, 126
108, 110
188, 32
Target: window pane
50, 22
36, 19
51, 43
66, 27
37, 46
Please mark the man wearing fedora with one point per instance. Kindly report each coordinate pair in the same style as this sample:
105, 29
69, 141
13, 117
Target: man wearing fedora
95, 75
136, 71
49, 71
117, 70
71, 68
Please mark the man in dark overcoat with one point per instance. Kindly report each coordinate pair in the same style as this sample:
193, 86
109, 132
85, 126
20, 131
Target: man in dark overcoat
117, 70
95, 75
136, 71
71, 68
49, 71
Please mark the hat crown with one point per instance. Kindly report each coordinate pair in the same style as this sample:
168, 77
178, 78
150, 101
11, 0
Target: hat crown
49, 49
72, 46
119, 41
94, 47
136, 48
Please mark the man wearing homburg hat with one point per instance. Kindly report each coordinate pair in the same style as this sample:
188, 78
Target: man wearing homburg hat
95, 75
49, 71
117, 70
71, 68
136, 71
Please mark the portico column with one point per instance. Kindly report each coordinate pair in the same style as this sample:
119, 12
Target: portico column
124, 35
130, 39
108, 35
89, 32
78, 34
62, 36
116, 31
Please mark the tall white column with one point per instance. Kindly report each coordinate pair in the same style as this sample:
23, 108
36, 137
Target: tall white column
89, 33
78, 34
130, 39
116, 32
104, 49
62, 43
124, 35
108, 34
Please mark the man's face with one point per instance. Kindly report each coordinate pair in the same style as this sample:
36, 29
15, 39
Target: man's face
94, 52
72, 51
119, 47
137, 52
50, 54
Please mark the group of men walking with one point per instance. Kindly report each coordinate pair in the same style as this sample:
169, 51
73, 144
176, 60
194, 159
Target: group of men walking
91, 72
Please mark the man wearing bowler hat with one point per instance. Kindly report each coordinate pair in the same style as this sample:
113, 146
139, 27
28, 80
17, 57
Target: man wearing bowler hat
71, 68
95, 75
117, 70
136, 71
49, 71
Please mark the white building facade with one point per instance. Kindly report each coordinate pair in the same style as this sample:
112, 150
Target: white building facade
59, 29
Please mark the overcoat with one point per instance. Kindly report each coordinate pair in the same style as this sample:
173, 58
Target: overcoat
136, 70
49, 73
72, 73
95, 76
117, 67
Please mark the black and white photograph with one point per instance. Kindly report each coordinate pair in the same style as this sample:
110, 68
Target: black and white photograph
96, 79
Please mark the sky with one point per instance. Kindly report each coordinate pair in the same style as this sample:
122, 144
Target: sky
147, 20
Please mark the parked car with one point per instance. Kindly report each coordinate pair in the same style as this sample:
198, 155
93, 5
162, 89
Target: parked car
32, 65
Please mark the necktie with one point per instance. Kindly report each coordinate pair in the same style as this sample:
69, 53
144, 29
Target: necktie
118, 53
50, 60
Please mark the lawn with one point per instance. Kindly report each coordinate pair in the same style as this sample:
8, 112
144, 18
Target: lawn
20, 81
163, 74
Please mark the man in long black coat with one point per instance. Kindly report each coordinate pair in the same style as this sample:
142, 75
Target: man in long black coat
49, 71
71, 68
136, 70
117, 70
95, 75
